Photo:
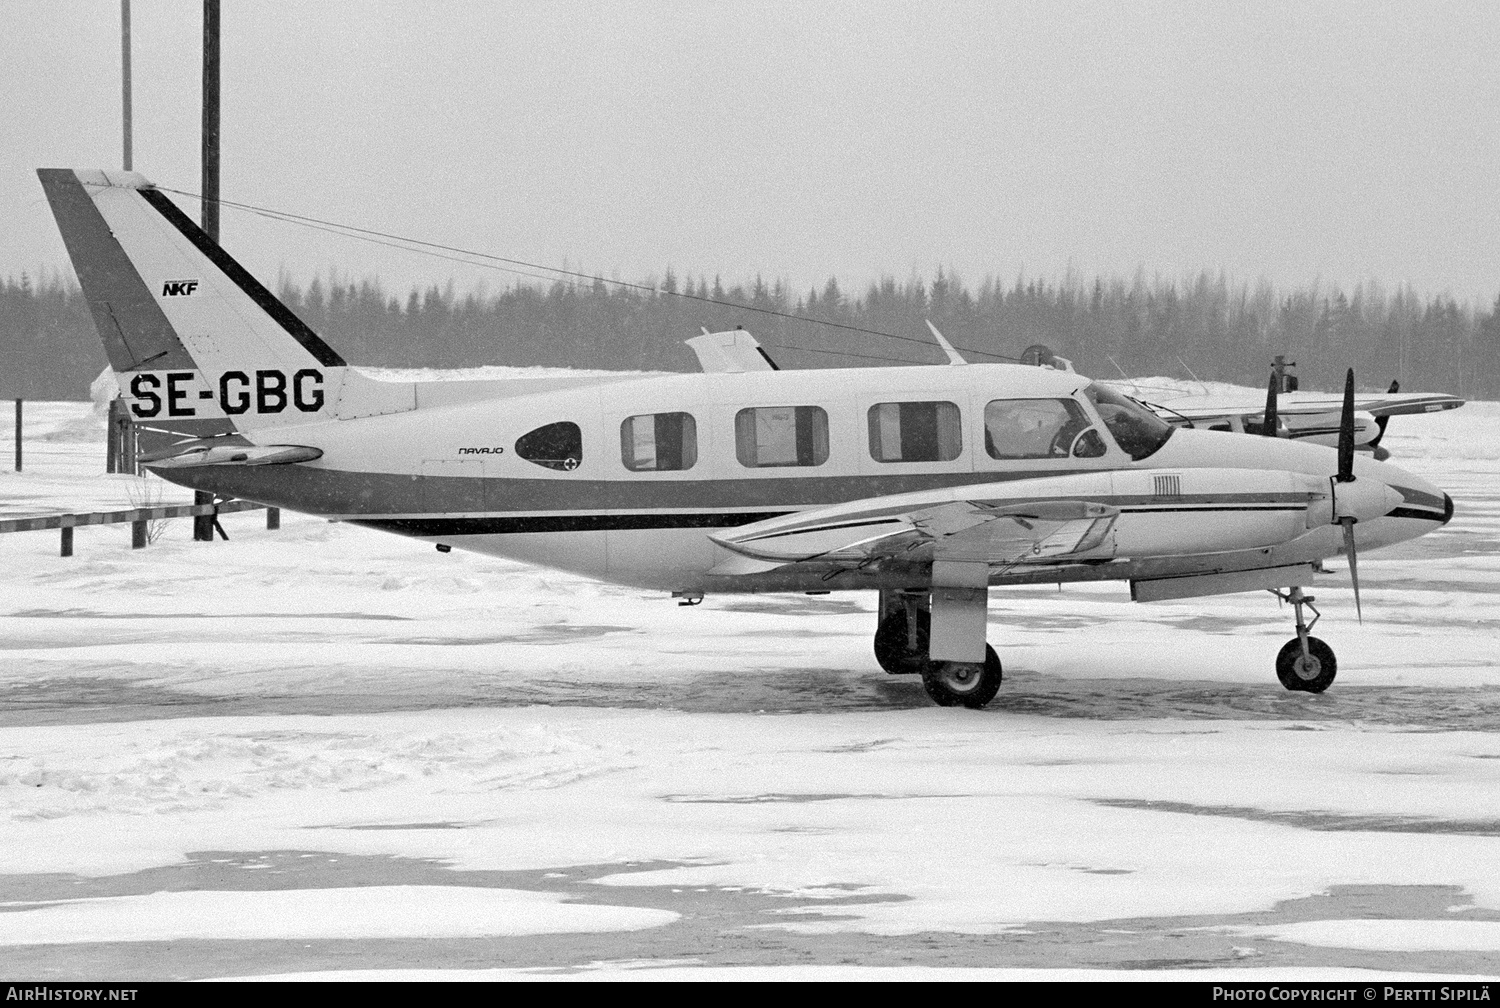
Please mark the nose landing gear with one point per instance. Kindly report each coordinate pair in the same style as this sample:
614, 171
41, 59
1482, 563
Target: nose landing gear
901, 647
1305, 662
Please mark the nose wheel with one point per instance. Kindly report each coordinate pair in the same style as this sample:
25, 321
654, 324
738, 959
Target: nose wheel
1305, 663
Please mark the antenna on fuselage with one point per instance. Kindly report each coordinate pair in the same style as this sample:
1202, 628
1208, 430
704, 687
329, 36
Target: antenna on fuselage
954, 358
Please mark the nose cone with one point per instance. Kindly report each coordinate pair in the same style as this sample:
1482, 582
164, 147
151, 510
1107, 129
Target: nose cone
1419, 498
1417, 508
1409, 505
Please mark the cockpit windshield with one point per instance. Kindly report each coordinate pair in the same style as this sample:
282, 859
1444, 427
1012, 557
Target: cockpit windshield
1137, 430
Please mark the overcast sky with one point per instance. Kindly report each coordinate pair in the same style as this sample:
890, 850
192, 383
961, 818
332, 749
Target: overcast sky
1339, 141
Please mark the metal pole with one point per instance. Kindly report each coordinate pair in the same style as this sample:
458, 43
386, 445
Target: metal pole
211, 118
203, 525
125, 77
18, 435
112, 440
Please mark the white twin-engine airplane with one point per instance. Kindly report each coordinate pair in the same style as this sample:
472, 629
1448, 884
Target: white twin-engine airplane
930, 485
1311, 416
1314, 417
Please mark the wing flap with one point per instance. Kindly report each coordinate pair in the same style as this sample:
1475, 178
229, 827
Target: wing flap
958, 531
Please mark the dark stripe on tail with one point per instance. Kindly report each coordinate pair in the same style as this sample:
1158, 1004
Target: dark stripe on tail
247, 283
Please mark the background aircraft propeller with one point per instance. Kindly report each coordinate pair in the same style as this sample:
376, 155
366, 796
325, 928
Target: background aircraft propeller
1271, 421
1381, 421
1344, 475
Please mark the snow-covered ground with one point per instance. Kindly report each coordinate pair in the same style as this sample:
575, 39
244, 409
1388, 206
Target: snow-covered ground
323, 750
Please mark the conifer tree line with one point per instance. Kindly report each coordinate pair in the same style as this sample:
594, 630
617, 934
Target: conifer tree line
1207, 325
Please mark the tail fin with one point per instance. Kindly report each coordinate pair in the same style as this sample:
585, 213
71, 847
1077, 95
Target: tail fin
198, 344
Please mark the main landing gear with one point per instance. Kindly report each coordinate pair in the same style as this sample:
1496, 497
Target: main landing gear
902, 645
1305, 663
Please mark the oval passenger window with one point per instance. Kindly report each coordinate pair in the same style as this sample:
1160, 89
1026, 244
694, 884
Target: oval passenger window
555, 446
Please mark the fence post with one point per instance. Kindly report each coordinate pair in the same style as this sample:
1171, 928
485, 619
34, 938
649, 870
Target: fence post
67, 540
120, 456
273, 518
112, 438
203, 525
137, 534
18, 435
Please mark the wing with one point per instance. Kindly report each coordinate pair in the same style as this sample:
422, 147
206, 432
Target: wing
1402, 403
864, 532
1302, 403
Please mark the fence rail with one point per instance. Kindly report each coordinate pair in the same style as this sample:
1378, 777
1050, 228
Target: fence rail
136, 517
119, 517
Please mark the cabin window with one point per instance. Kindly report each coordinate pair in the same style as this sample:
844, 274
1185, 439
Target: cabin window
555, 446
1038, 428
657, 442
915, 432
781, 436
1137, 430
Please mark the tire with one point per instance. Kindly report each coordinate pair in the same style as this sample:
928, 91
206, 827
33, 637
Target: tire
963, 684
890, 643
1313, 678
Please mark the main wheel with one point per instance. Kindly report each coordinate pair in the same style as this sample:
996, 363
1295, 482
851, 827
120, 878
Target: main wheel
892, 646
963, 684
1310, 673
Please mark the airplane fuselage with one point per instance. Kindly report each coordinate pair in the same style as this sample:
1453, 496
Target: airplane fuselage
607, 502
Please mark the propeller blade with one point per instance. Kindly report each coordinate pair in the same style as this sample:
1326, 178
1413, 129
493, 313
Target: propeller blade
1346, 433
1349, 552
1381, 421
1270, 422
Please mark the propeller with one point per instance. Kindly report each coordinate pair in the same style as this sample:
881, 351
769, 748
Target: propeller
1270, 422
1345, 475
1381, 421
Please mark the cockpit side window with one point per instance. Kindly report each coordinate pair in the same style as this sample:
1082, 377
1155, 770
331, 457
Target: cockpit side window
555, 446
1038, 429
1137, 430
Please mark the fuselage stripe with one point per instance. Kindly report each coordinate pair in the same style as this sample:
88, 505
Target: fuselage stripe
452, 526
521, 524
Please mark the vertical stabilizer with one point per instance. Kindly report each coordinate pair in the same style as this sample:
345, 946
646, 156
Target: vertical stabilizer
197, 343
731, 352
